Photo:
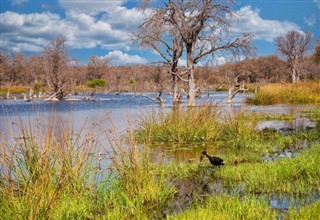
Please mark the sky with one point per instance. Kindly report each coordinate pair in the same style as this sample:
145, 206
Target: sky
103, 27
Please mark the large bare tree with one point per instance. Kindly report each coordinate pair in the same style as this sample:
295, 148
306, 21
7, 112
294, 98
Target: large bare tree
97, 67
56, 59
293, 46
204, 26
158, 34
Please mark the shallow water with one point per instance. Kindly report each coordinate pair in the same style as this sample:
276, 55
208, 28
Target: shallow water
112, 111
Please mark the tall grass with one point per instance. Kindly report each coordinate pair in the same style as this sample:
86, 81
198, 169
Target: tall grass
181, 125
298, 93
40, 171
58, 176
140, 189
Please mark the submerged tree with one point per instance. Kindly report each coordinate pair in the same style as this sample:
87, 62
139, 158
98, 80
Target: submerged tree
56, 59
293, 46
158, 34
204, 26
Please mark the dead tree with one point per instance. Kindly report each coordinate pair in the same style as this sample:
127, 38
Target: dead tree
157, 98
56, 60
97, 66
236, 87
293, 47
156, 33
203, 26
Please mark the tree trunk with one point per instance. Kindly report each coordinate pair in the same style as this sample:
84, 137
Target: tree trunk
191, 83
295, 75
175, 89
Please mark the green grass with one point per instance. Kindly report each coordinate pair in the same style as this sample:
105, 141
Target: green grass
229, 207
298, 93
308, 212
181, 126
300, 174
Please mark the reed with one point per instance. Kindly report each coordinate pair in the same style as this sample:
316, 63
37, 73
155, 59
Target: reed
140, 189
298, 93
39, 171
181, 125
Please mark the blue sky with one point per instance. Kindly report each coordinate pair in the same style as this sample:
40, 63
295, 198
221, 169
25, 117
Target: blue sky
103, 27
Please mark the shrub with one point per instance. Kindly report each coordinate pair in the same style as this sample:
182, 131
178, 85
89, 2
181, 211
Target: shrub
96, 83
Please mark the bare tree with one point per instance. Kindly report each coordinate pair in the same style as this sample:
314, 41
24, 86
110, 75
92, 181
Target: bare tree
203, 26
158, 34
56, 59
293, 47
316, 54
97, 67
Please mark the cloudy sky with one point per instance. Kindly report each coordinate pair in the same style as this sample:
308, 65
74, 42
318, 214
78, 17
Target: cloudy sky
103, 27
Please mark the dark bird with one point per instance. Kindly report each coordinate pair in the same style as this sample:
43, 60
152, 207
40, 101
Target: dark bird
216, 161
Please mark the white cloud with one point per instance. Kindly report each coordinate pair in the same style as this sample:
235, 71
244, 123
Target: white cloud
119, 58
310, 21
90, 7
249, 20
102, 23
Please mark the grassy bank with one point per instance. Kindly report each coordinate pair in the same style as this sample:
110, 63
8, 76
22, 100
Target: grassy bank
63, 176
298, 93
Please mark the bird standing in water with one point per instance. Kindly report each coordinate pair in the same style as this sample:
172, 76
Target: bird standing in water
216, 161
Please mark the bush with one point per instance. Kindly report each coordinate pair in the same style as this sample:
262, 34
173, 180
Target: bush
96, 83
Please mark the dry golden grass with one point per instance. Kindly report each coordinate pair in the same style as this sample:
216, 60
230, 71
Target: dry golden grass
298, 93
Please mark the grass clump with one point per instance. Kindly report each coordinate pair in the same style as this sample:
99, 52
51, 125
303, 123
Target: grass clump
229, 207
308, 212
181, 126
298, 93
300, 174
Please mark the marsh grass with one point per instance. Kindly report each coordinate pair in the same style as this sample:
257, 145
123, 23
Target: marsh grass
40, 170
308, 212
229, 207
13, 89
181, 125
45, 175
139, 189
300, 174
298, 93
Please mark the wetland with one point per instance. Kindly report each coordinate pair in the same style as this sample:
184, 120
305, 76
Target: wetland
123, 156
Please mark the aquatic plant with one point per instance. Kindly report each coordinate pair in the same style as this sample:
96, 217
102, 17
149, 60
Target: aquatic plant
183, 125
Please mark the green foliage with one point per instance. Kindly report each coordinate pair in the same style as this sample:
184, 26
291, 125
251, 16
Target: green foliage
96, 83
132, 81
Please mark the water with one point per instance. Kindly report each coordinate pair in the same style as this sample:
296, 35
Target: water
117, 110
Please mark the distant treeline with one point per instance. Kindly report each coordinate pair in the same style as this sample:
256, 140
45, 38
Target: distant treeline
31, 71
